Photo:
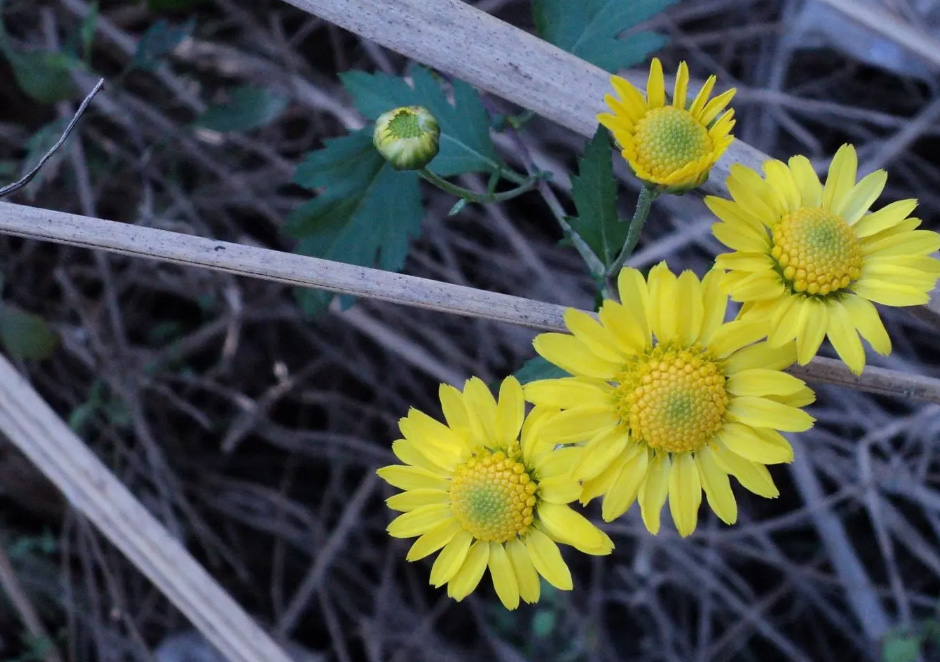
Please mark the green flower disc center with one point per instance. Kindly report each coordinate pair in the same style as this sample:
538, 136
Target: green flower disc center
817, 251
405, 124
673, 399
493, 497
669, 138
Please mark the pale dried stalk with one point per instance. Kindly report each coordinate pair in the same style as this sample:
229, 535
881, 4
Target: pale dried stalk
94, 491
75, 230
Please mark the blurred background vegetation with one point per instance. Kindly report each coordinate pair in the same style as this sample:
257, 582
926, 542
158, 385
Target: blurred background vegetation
251, 428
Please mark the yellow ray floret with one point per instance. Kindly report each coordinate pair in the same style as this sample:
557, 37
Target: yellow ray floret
809, 259
669, 400
672, 146
488, 492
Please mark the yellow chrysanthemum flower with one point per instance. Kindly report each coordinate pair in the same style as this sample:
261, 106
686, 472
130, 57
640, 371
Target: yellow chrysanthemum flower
670, 399
486, 499
670, 146
809, 259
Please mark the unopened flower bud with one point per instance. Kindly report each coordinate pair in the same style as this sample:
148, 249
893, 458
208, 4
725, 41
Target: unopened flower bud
407, 137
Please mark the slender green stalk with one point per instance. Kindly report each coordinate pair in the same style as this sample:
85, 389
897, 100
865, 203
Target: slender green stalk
466, 194
643, 203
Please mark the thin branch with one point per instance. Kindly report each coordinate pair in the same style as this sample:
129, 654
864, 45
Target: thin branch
20, 601
16, 186
149, 243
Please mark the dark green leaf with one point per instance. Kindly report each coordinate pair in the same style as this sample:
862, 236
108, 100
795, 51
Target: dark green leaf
901, 647
25, 335
594, 191
46, 77
466, 145
248, 108
538, 368
366, 213
159, 40
591, 29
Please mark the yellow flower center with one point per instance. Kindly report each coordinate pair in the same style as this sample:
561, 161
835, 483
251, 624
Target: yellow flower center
493, 496
817, 251
674, 399
669, 138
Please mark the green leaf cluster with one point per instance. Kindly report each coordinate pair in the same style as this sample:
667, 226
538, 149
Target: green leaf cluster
366, 213
591, 29
25, 335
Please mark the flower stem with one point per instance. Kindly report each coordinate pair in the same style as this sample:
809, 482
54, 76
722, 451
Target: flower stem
466, 194
643, 203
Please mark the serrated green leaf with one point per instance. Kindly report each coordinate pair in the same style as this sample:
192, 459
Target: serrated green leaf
594, 192
465, 146
538, 368
158, 41
248, 108
25, 335
46, 77
591, 29
366, 213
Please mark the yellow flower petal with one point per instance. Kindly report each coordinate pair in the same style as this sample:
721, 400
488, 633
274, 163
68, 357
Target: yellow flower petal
628, 326
844, 337
753, 476
419, 520
568, 392
812, 326
527, 577
749, 444
632, 97
580, 424
685, 493
600, 452
653, 491
481, 407
890, 295
596, 338
450, 559
866, 319
546, 557
570, 354
841, 179
785, 322
689, 307
413, 499
781, 180
681, 87
761, 381
765, 413
412, 478
409, 453
698, 105
739, 238
806, 180
503, 575
759, 286
716, 105
885, 218
737, 215
655, 87
862, 196
434, 539
571, 528
717, 486
626, 486
663, 286
471, 572
510, 410
716, 304
752, 192
634, 292
760, 355
559, 489
452, 405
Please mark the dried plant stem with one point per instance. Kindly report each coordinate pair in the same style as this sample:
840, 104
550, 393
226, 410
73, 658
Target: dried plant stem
75, 230
93, 490
11, 586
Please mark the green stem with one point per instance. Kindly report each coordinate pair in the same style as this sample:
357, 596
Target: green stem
482, 198
643, 203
